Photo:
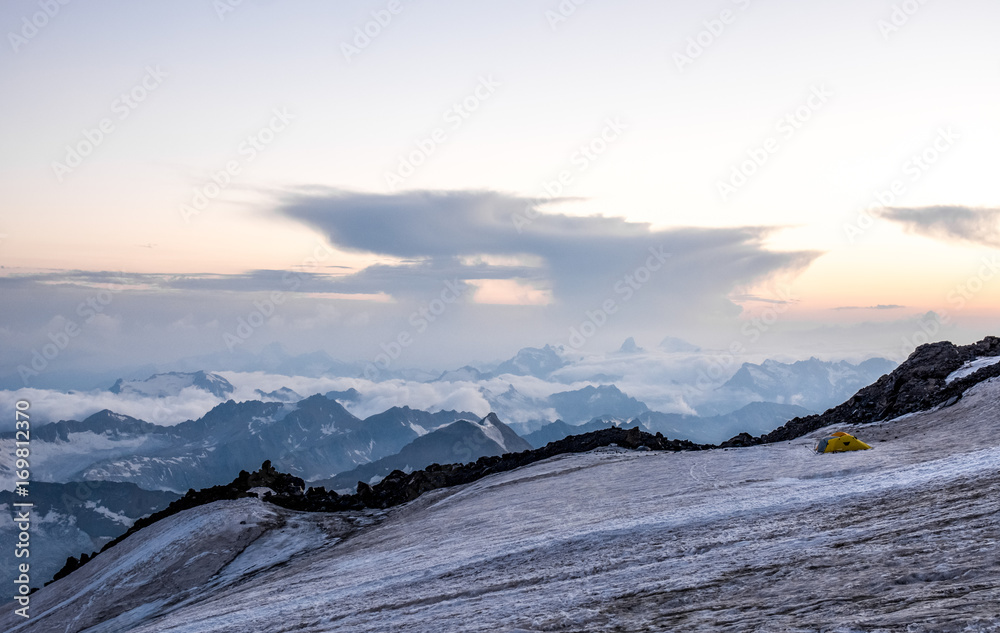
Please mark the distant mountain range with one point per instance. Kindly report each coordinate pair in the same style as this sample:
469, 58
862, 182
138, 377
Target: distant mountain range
317, 437
572, 407
538, 362
458, 443
283, 394
533, 361
754, 418
674, 345
814, 384
558, 430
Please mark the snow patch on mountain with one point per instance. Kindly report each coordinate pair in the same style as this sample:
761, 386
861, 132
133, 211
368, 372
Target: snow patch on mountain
491, 431
172, 383
419, 430
972, 367
117, 517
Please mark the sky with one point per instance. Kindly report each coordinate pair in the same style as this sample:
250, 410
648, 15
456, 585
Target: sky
448, 182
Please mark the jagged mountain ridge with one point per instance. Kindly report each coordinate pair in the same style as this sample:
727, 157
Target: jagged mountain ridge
813, 384
558, 430
284, 394
461, 442
314, 438
573, 407
756, 417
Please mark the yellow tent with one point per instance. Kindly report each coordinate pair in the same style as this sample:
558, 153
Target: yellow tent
839, 442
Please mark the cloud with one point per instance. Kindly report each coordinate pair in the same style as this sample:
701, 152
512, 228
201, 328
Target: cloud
878, 307
457, 281
578, 258
461, 237
193, 403
668, 382
52, 406
950, 223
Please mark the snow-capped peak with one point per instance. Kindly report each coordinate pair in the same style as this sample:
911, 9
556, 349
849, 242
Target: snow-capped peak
172, 383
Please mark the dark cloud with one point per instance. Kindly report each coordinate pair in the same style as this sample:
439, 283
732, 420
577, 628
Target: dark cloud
461, 236
582, 258
657, 281
950, 223
414, 278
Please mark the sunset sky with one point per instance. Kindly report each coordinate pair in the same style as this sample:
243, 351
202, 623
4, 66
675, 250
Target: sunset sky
829, 166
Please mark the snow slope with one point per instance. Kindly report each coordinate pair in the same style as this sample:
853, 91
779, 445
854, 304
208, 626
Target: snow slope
173, 383
972, 367
770, 538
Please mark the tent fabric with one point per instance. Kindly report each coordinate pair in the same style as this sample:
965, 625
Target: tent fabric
839, 442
